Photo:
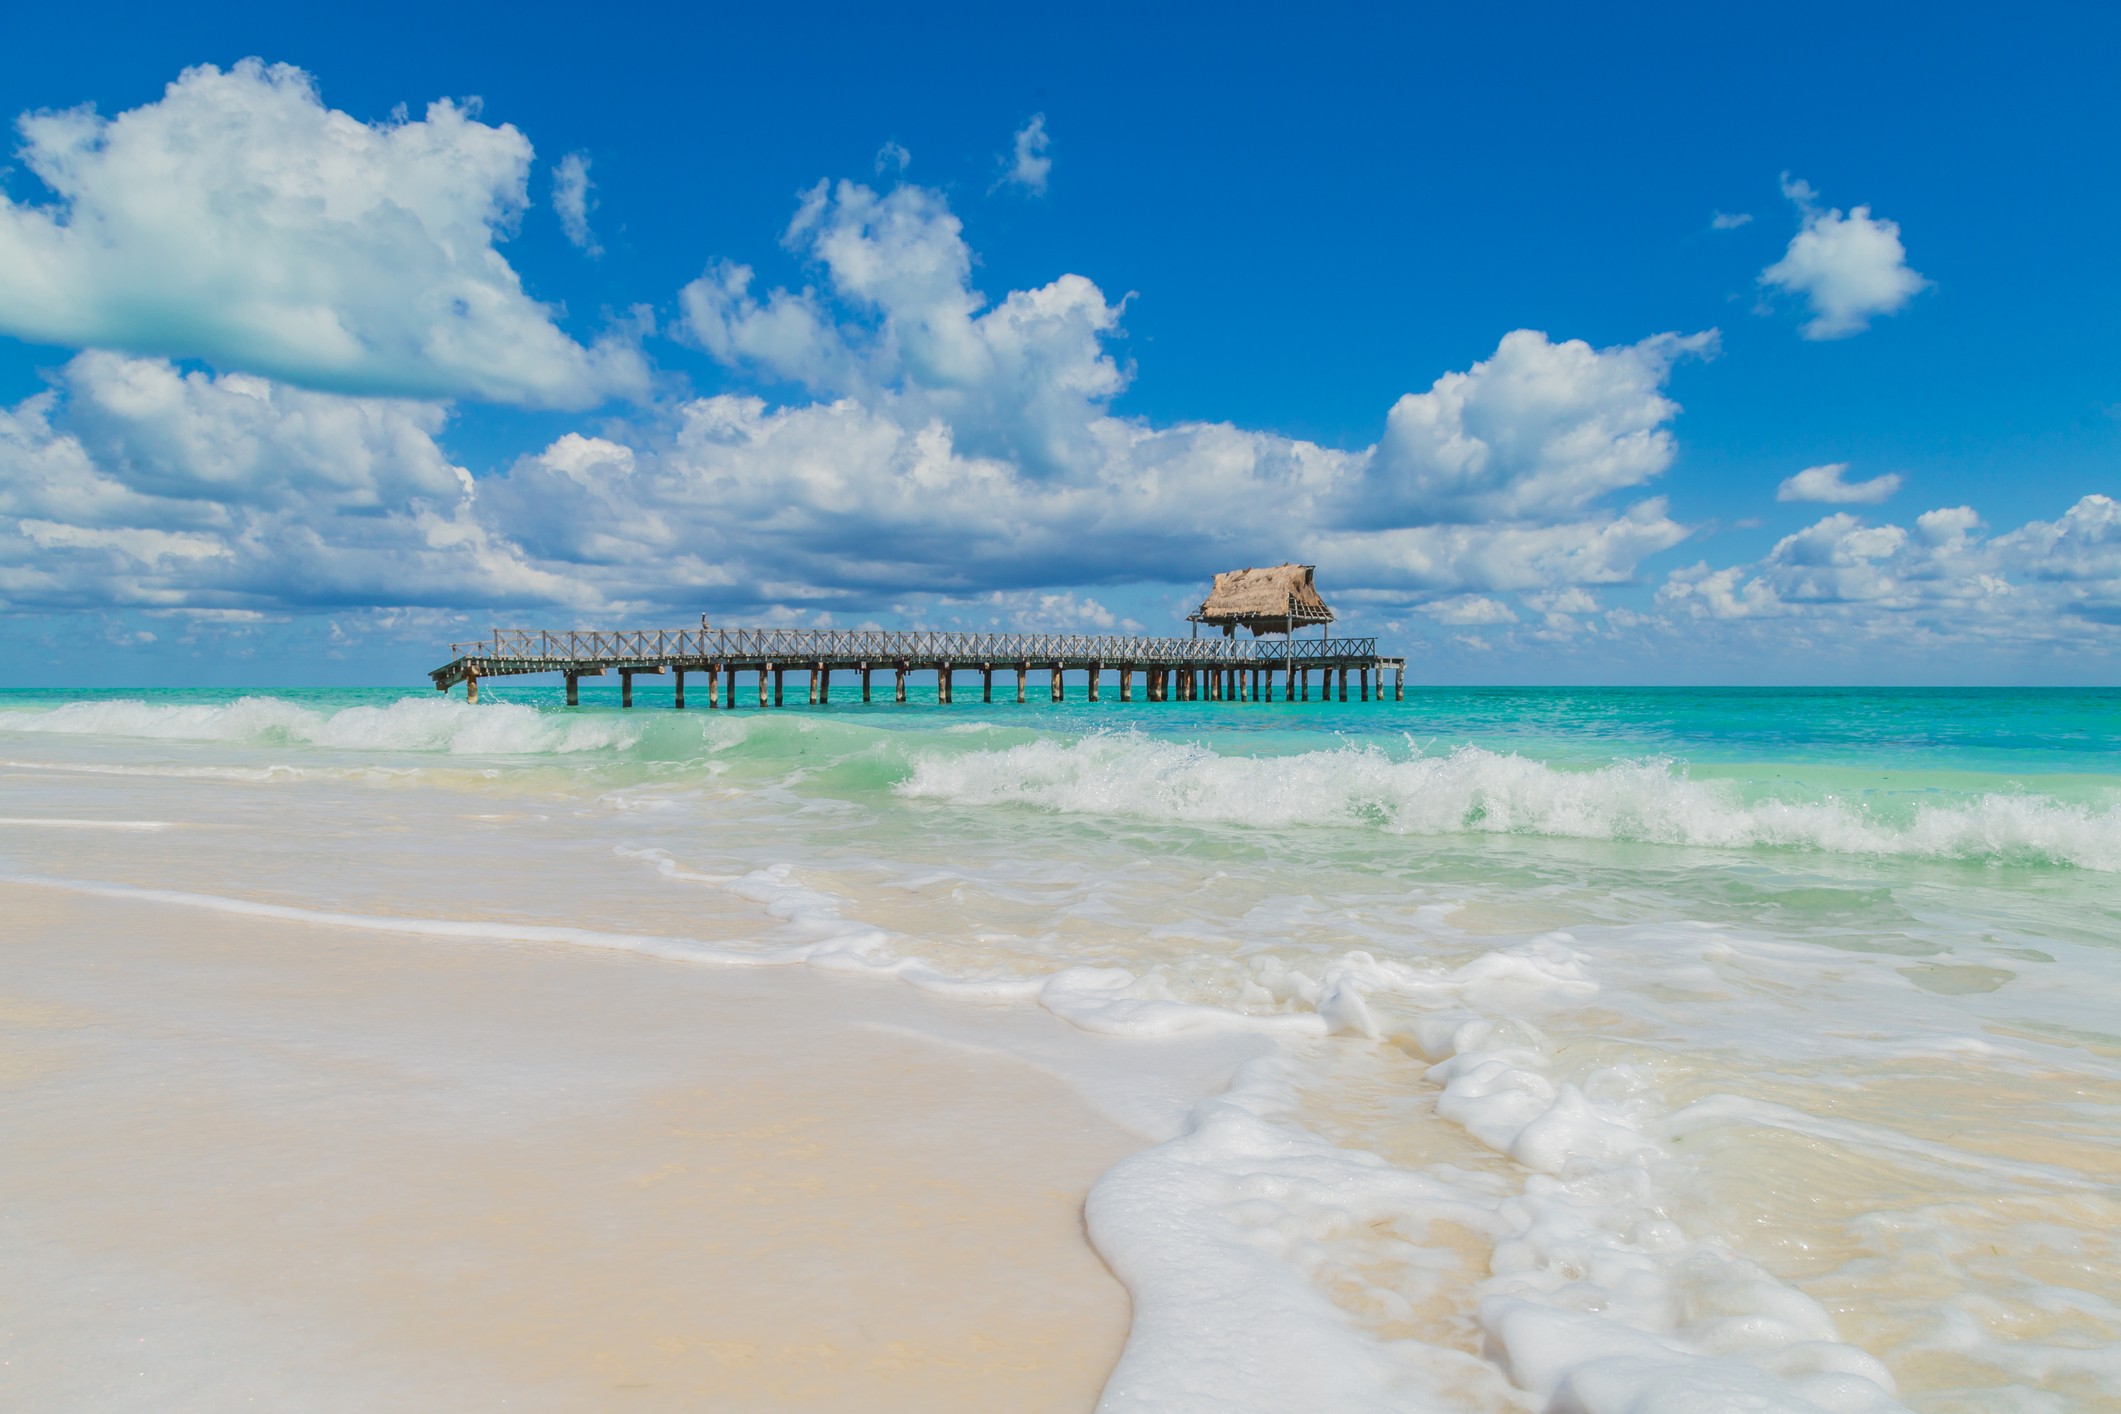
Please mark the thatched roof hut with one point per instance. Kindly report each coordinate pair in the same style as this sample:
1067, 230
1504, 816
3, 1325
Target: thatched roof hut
1279, 599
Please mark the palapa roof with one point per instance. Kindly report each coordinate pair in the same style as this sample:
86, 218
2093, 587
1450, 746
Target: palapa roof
1264, 600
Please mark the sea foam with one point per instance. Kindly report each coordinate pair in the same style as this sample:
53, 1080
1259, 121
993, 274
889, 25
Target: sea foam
1474, 790
409, 724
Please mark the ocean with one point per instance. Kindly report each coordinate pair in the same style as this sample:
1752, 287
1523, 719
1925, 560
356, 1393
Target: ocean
1594, 1049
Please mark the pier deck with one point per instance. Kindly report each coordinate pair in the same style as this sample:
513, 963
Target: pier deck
1172, 669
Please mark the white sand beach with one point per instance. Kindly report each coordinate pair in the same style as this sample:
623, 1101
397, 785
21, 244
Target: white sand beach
261, 1164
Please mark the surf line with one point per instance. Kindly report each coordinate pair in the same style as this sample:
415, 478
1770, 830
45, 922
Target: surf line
32, 821
680, 949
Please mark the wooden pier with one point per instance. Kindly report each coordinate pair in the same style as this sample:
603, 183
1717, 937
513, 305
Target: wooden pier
1217, 669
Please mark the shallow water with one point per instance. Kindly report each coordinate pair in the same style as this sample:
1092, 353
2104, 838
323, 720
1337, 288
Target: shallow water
1619, 1045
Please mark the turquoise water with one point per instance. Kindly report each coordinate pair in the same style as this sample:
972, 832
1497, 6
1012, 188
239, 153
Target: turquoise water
1769, 1035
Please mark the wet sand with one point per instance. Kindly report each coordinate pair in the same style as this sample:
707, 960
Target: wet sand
251, 1163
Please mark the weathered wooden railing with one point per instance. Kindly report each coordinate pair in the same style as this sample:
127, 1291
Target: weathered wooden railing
1186, 668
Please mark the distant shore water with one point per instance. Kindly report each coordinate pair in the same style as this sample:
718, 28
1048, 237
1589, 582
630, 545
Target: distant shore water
1591, 1046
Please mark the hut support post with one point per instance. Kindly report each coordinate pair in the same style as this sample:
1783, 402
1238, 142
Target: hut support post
679, 682
471, 688
1097, 671
766, 672
986, 682
574, 689
1023, 670
1366, 684
713, 684
625, 687
901, 684
1399, 683
942, 683
780, 685
865, 684
824, 685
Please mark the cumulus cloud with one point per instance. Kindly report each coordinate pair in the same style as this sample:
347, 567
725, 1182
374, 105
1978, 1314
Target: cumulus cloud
1729, 220
928, 440
1849, 269
1941, 578
953, 440
1825, 484
1538, 431
132, 483
572, 202
899, 323
1468, 609
1030, 162
240, 221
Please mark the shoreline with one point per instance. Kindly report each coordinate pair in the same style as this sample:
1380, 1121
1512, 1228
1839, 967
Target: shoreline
307, 1166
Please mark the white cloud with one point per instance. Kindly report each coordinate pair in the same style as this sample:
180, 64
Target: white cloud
1466, 609
1849, 269
1031, 161
954, 442
1824, 484
935, 443
899, 323
893, 157
1535, 432
134, 484
572, 202
1939, 580
1729, 220
240, 221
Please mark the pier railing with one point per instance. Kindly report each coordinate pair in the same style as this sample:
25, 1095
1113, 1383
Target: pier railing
884, 647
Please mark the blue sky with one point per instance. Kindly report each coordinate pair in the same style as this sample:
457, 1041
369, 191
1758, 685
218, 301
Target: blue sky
1093, 304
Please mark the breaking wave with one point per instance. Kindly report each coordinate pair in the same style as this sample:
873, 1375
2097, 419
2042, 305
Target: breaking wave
1475, 791
409, 724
